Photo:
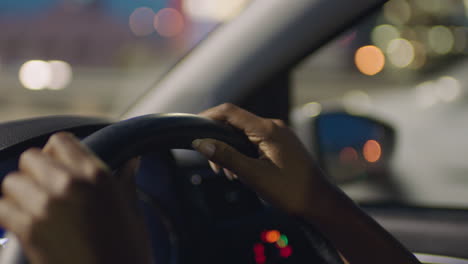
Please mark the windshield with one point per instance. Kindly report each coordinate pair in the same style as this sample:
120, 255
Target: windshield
406, 65
95, 57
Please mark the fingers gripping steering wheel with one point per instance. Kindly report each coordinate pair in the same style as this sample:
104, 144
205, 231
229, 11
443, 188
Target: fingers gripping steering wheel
117, 143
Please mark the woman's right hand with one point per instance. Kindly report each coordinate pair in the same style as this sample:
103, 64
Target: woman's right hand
285, 175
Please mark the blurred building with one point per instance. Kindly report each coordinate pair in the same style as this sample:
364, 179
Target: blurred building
81, 34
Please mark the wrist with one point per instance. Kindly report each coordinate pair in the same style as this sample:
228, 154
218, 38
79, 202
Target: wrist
324, 200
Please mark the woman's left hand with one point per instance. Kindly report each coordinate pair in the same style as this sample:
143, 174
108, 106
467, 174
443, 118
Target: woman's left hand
65, 206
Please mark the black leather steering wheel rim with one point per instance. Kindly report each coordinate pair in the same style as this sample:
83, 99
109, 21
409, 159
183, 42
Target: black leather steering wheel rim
124, 140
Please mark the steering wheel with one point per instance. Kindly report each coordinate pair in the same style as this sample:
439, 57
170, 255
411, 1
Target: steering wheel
124, 140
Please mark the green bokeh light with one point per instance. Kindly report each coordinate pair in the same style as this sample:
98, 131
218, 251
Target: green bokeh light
283, 241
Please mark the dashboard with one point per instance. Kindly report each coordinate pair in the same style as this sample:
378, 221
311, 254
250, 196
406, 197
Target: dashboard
211, 219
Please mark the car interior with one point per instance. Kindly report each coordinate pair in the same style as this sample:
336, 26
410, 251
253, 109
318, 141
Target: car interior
357, 118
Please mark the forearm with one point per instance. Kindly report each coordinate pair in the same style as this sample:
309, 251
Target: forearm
355, 234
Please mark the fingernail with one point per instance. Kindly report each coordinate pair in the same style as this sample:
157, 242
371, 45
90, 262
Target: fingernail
229, 174
214, 167
206, 148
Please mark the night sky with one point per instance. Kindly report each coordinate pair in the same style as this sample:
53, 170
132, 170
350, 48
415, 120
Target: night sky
120, 8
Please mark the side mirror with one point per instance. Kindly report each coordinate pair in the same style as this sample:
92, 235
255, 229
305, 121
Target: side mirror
349, 147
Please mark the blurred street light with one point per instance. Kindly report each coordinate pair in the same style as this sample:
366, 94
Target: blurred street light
441, 39
141, 21
397, 12
214, 10
369, 60
35, 75
400, 52
40, 75
383, 34
169, 22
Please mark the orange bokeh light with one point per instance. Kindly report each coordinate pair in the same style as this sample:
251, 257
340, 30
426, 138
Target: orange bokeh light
372, 151
369, 60
272, 236
348, 155
169, 22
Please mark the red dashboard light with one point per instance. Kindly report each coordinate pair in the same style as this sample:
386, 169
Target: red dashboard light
260, 259
259, 249
286, 252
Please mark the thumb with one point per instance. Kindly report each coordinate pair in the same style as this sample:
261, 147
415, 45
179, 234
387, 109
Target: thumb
224, 155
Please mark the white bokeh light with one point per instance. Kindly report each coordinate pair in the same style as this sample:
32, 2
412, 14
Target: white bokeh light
40, 75
61, 75
397, 11
441, 39
448, 89
213, 10
383, 34
425, 94
35, 75
400, 52
312, 109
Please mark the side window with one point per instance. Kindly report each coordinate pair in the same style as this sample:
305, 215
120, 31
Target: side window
407, 65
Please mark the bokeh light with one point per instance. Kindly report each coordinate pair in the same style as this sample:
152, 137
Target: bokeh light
369, 60
141, 21
441, 39
214, 10
425, 94
273, 244
39, 75
400, 52
260, 259
348, 155
259, 249
62, 75
272, 236
282, 241
169, 22
397, 11
448, 89
372, 151
312, 109
35, 74
383, 34
286, 252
